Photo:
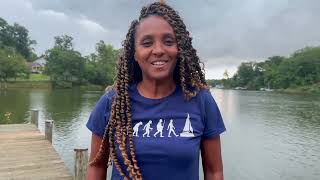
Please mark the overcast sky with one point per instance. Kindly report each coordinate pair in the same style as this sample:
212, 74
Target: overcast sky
225, 32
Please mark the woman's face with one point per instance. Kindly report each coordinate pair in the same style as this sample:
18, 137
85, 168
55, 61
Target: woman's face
155, 48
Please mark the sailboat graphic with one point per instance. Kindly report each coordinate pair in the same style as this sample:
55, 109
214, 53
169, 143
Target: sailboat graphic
187, 130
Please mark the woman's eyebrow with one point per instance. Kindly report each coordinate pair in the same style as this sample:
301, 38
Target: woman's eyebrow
147, 36
170, 35
165, 35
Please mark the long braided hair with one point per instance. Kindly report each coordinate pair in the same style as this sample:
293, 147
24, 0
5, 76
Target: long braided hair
187, 73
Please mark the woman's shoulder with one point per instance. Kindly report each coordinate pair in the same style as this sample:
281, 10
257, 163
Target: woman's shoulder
204, 94
105, 99
109, 92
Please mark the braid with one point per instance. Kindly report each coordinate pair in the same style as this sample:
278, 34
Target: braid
187, 73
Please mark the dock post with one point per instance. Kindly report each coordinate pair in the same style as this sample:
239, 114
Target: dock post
35, 117
80, 165
48, 130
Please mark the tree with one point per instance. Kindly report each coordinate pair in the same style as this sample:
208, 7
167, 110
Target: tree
302, 68
226, 74
245, 73
63, 63
63, 42
100, 66
12, 64
271, 72
17, 37
307, 65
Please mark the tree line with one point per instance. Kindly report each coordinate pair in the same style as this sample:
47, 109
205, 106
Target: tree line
64, 64
68, 65
300, 69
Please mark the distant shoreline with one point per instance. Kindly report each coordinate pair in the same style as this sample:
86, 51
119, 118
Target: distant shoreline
48, 85
313, 89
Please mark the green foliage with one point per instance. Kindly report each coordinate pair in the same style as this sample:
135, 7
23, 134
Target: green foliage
12, 64
39, 77
66, 64
307, 66
63, 42
100, 66
63, 63
315, 88
301, 69
17, 37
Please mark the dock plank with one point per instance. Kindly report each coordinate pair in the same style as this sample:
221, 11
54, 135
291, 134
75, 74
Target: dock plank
25, 154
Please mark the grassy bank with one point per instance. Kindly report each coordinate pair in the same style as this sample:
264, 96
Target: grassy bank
49, 85
27, 84
32, 77
39, 77
37, 81
42, 81
315, 88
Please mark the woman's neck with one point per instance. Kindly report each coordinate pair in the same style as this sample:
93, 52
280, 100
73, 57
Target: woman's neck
156, 89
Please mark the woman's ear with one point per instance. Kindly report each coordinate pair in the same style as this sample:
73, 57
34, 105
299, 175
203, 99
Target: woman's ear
135, 59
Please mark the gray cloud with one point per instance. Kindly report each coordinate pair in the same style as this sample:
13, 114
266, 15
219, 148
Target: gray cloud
225, 33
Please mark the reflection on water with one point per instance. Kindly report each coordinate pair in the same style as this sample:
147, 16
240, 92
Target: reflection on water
12, 100
269, 135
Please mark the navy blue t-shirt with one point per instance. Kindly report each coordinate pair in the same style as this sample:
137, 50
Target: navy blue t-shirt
167, 132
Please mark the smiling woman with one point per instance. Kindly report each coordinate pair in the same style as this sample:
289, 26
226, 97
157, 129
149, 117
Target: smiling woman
155, 51
159, 115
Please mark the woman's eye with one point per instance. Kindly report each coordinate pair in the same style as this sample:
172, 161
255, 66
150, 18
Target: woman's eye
169, 42
146, 43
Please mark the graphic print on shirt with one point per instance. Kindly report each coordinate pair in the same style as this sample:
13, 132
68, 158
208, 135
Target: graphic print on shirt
187, 130
160, 126
136, 129
147, 129
171, 129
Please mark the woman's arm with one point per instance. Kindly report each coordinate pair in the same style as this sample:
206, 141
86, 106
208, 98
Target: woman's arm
211, 158
99, 171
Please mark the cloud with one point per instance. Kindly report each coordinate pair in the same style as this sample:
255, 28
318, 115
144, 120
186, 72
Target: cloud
225, 33
53, 14
44, 24
91, 26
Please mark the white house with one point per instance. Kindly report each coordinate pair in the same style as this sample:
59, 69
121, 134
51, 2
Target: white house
37, 66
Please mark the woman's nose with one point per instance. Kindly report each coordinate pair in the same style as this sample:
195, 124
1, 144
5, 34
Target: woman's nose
158, 49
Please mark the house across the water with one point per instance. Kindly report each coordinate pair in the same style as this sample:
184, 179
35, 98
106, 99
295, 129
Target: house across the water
37, 66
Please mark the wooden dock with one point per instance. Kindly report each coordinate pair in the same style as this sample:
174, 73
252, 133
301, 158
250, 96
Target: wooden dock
26, 154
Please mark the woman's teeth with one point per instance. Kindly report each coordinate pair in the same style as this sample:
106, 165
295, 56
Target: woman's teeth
159, 63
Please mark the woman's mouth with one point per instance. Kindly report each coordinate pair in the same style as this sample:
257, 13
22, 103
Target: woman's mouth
159, 63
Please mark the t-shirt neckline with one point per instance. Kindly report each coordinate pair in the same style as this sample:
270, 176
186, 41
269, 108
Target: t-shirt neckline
135, 89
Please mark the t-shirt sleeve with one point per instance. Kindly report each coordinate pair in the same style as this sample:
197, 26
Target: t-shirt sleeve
212, 117
99, 116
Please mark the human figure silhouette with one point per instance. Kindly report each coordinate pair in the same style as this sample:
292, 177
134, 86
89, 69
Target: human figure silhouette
171, 128
136, 129
147, 129
160, 126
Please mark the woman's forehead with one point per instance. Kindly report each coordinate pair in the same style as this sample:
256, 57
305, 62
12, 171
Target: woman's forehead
153, 25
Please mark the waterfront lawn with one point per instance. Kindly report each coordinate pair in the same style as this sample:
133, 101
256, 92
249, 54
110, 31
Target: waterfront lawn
32, 78
39, 77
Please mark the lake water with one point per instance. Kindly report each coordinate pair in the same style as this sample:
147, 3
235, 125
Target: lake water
270, 135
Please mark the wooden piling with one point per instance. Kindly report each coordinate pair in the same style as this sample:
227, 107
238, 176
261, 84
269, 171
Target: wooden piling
80, 165
35, 117
48, 130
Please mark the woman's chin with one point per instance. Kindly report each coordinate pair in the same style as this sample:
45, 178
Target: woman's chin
161, 76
